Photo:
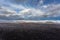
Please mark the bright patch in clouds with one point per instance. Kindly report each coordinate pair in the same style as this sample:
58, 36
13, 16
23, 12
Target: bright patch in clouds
23, 11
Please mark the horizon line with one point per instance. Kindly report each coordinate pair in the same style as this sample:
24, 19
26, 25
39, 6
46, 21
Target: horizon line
30, 21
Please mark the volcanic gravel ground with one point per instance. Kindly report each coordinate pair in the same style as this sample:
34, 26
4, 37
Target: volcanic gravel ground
29, 31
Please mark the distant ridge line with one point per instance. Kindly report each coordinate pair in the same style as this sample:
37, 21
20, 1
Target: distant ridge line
30, 21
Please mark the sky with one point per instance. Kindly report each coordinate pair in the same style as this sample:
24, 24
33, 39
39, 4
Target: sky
29, 9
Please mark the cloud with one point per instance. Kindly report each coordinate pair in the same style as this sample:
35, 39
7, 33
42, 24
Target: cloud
9, 11
31, 12
5, 13
51, 10
47, 11
5, 10
9, 14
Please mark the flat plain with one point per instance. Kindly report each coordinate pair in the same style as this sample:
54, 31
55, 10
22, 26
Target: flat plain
29, 31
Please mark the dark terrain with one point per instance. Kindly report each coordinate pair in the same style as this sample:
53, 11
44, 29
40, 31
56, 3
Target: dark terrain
29, 31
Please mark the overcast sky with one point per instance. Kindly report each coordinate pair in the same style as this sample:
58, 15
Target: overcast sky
29, 9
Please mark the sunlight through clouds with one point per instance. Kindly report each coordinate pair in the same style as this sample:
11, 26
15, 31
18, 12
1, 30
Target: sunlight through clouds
25, 11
